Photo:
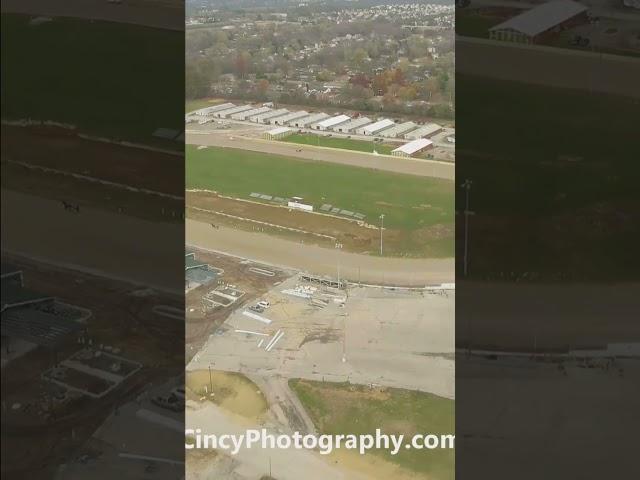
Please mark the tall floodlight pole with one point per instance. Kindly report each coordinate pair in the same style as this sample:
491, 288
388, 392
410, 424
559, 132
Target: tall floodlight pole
381, 228
338, 247
467, 187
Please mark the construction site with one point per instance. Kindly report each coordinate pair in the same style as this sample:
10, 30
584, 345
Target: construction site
71, 357
255, 328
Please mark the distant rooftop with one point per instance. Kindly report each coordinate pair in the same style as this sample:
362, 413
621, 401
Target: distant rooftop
543, 17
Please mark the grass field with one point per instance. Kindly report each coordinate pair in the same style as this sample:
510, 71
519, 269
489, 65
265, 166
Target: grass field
554, 187
409, 202
349, 409
90, 74
336, 142
471, 23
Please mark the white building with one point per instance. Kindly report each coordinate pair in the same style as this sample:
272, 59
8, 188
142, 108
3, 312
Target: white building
230, 111
278, 133
247, 114
411, 148
285, 119
327, 123
534, 24
425, 131
374, 128
305, 121
352, 125
207, 111
269, 116
398, 130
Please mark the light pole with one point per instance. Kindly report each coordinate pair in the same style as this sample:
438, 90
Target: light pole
467, 187
338, 247
381, 228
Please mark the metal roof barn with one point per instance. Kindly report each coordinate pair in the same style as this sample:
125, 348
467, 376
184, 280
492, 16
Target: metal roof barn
269, 116
376, 127
216, 108
313, 118
290, 117
330, 122
542, 18
412, 148
37, 326
276, 133
352, 125
424, 131
250, 113
398, 130
226, 113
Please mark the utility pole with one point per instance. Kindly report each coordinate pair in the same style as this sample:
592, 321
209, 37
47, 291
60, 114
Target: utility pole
381, 228
210, 381
467, 187
338, 247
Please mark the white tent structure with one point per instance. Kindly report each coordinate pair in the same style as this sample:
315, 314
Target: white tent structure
423, 132
376, 127
351, 125
411, 148
278, 133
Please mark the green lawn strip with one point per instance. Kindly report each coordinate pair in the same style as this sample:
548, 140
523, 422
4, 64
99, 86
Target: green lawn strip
408, 202
338, 142
63, 71
567, 165
341, 408
474, 24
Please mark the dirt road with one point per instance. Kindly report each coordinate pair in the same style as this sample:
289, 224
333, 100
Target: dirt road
319, 260
94, 241
253, 463
411, 166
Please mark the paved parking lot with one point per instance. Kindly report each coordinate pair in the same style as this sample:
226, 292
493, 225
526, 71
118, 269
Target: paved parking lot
365, 335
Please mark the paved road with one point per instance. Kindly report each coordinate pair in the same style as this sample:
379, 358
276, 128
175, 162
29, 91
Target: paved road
253, 463
548, 66
412, 166
318, 260
94, 241
151, 13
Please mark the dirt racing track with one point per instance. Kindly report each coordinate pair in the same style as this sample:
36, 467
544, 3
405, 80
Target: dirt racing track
411, 166
549, 66
102, 236
318, 260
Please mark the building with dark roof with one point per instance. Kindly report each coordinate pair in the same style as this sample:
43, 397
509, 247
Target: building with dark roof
36, 317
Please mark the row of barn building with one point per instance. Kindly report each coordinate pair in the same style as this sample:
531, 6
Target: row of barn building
320, 121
